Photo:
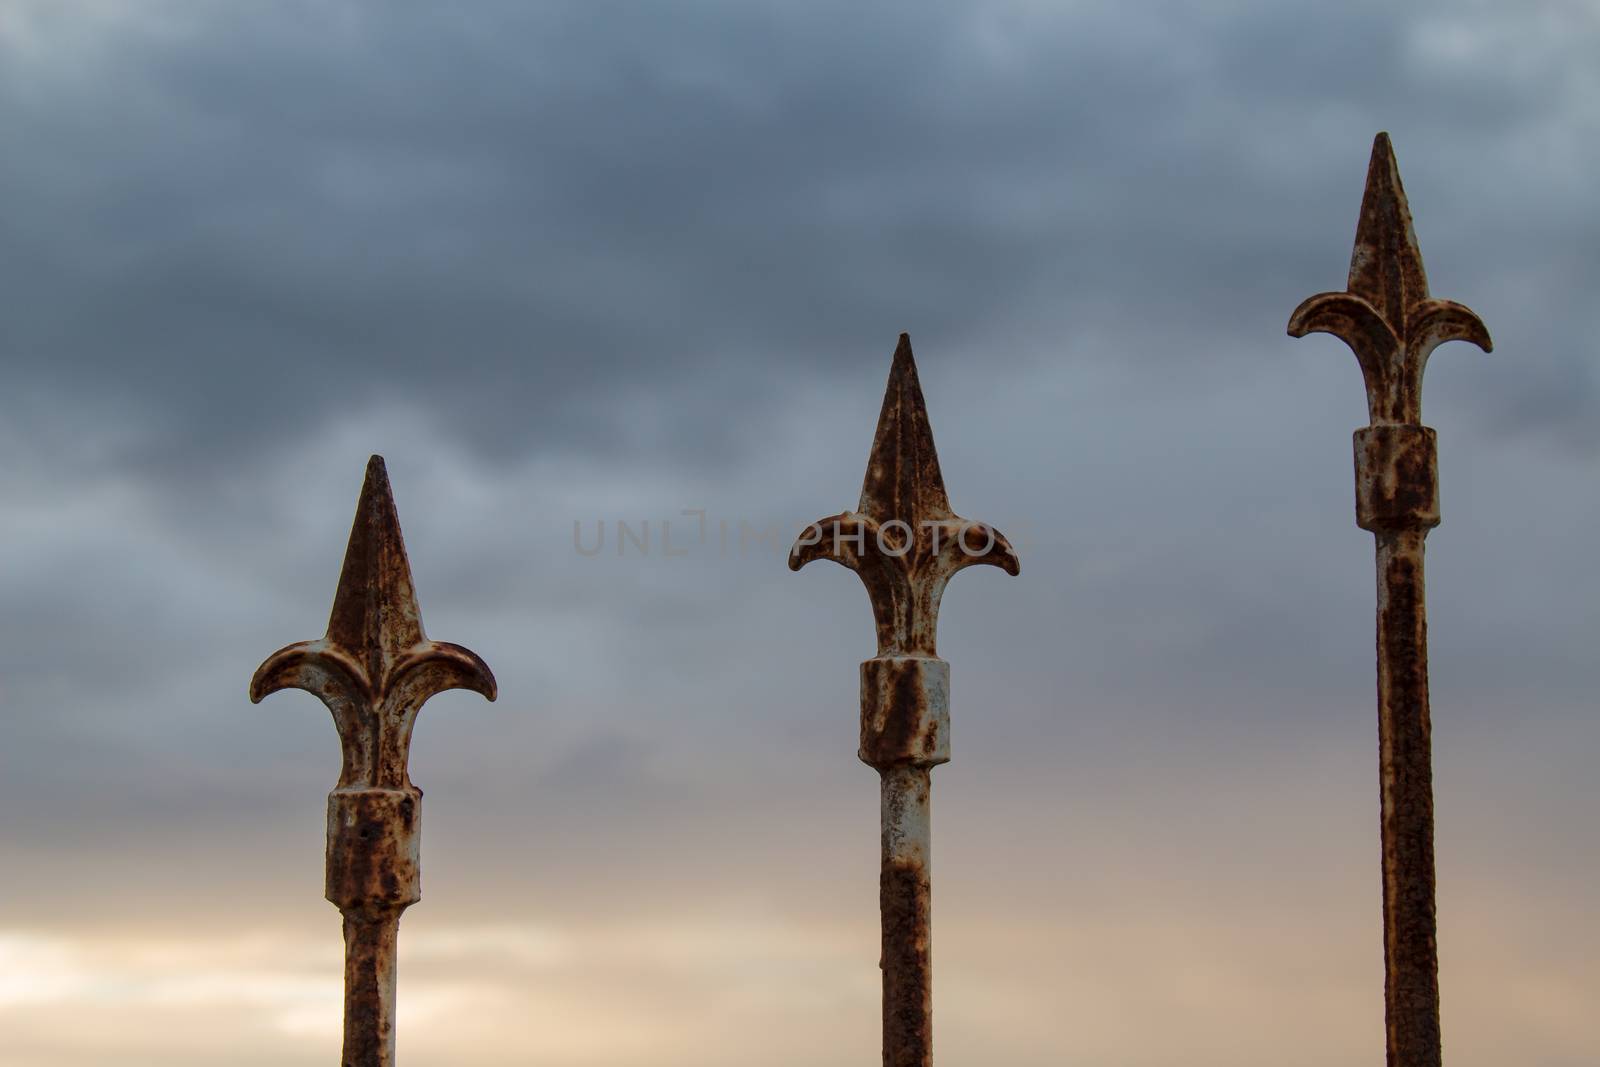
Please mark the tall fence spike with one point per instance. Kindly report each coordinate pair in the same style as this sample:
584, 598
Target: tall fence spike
374, 669
1392, 324
904, 542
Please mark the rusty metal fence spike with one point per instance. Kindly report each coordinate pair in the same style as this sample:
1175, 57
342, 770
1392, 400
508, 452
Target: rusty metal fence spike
1392, 324
904, 542
374, 669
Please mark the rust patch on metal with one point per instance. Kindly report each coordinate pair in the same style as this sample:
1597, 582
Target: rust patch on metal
1390, 321
374, 669
904, 542
903, 902
369, 982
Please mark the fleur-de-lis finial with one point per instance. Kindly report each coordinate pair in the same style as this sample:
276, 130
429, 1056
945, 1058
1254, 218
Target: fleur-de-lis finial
374, 669
903, 540
1386, 314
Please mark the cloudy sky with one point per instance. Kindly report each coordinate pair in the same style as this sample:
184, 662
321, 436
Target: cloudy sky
570, 264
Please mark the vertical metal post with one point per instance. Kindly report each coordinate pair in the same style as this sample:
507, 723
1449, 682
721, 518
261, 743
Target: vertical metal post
1388, 318
374, 669
904, 542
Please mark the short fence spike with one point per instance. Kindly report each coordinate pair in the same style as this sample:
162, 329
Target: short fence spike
374, 669
1392, 324
904, 542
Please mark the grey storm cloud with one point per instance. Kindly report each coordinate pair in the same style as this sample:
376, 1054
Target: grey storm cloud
243, 219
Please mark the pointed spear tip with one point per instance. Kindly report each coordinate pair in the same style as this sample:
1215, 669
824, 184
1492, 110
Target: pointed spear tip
377, 496
376, 531
903, 374
375, 489
903, 479
1383, 173
376, 598
904, 366
1383, 178
1386, 264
